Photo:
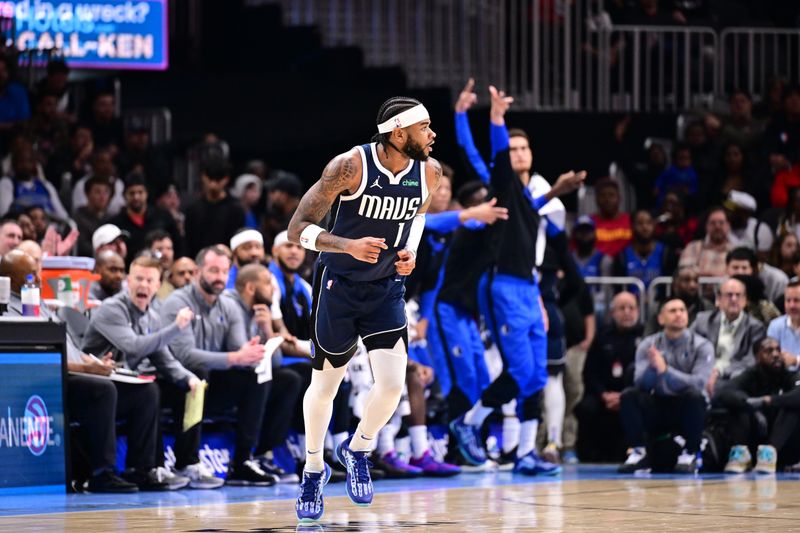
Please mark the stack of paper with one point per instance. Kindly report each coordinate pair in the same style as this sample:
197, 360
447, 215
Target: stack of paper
264, 368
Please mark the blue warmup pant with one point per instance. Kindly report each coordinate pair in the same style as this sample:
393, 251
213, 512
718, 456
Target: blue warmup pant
459, 352
510, 307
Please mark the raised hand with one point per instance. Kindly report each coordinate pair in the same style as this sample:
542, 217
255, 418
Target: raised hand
64, 245
366, 249
184, 316
568, 182
53, 244
500, 104
487, 212
467, 97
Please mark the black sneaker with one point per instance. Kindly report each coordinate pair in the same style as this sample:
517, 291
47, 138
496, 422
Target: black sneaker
506, 460
248, 474
147, 481
280, 475
109, 482
637, 461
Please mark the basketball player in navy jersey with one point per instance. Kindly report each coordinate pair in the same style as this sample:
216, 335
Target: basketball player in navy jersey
378, 194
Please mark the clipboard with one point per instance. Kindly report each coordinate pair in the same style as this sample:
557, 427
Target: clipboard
193, 410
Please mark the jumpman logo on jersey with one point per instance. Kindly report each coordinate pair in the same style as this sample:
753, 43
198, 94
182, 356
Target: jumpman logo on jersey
376, 183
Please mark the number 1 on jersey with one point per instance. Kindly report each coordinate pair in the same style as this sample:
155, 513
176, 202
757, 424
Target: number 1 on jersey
399, 234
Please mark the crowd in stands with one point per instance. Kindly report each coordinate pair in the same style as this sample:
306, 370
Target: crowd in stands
701, 13
190, 288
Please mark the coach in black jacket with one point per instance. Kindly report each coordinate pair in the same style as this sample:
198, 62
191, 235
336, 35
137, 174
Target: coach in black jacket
607, 372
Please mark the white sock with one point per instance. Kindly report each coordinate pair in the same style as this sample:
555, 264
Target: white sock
317, 410
386, 438
314, 461
477, 415
527, 437
389, 371
403, 446
419, 440
554, 406
361, 442
510, 433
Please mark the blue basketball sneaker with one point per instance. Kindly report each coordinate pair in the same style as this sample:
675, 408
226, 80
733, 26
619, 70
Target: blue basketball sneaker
359, 483
533, 465
468, 439
309, 504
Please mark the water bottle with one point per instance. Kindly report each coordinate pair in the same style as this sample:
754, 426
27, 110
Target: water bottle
29, 294
5, 294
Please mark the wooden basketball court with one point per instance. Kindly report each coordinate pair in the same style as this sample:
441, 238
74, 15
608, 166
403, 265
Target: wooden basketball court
584, 499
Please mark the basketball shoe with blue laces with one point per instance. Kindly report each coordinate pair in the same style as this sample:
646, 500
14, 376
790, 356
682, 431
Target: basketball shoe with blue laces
309, 504
533, 465
359, 482
468, 439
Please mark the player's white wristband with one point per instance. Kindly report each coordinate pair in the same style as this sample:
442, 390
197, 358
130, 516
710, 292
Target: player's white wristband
415, 234
308, 237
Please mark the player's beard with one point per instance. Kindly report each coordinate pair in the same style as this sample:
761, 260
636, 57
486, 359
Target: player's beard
211, 289
414, 150
286, 268
260, 299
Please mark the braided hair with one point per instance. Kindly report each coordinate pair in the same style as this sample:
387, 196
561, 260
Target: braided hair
391, 107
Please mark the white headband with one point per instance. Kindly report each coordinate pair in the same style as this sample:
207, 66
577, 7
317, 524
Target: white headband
418, 113
246, 236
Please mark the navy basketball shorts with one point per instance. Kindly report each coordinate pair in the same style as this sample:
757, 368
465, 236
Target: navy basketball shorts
344, 310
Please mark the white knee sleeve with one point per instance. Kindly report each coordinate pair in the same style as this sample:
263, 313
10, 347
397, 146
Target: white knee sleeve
389, 371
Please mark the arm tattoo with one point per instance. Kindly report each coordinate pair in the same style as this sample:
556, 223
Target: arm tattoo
337, 175
438, 168
315, 204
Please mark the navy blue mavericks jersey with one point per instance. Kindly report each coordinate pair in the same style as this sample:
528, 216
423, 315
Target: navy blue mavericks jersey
382, 207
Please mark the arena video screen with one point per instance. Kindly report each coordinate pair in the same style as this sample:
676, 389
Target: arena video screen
31, 423
93, 34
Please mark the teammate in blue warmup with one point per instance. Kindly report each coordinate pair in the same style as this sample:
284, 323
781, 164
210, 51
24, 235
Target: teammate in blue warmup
378, 194
510, 302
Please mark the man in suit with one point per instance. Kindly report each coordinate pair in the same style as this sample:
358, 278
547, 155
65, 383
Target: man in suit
731, 330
